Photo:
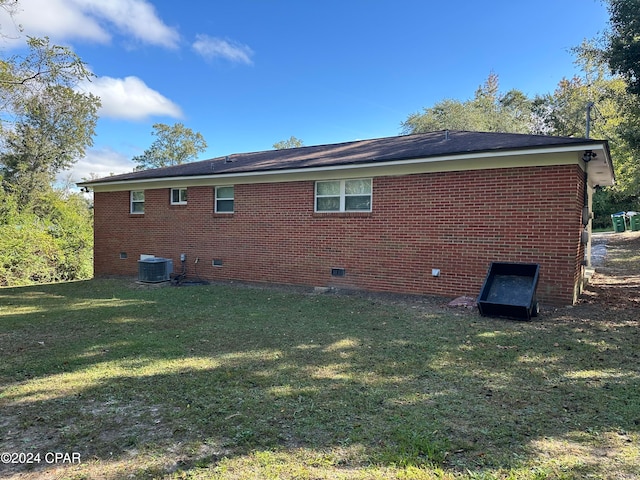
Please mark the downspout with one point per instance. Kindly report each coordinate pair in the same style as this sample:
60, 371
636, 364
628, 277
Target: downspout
587, 207
588, 197
585, 234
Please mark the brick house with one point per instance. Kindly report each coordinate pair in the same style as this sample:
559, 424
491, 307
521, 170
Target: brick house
383, 215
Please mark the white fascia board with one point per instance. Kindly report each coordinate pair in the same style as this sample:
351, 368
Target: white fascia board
471, 161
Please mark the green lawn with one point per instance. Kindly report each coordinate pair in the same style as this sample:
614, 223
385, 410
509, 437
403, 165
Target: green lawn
236, 382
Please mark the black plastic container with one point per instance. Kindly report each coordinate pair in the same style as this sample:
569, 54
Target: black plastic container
510, 291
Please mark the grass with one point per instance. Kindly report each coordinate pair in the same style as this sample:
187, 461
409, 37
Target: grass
231, 382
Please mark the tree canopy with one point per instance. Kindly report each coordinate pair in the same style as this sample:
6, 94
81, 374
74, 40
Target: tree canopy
45, 127
292, 142
614, 117
174, 145
487, 111
623, 41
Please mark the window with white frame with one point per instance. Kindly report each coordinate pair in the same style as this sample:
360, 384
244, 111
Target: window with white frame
137, 201
224, 199
343, 195
178, 196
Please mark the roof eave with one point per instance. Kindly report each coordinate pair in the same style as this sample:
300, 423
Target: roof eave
229, 176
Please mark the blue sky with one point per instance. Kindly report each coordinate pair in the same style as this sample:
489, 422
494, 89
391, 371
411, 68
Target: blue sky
249, 73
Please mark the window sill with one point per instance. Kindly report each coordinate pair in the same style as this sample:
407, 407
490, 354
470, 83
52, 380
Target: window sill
342, 214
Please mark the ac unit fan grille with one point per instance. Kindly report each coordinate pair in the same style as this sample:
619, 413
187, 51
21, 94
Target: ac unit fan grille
154, 270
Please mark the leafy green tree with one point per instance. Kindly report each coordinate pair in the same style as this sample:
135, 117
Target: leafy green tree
564, 112
174, 145
614, 117
47, 125
46, 235
67, 216
614, 112
292, 142
51, 134
447, 114
623, 43
621, 52
488, 111
8, 207
22, 77
50, 241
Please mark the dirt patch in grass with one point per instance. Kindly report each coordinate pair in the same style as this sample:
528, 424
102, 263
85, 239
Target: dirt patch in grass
615, 287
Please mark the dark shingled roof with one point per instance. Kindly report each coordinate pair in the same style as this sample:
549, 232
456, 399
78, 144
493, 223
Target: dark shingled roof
388, 149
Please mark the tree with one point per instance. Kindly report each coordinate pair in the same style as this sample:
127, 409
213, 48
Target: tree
623, 44
174, 145
9, 5
52, 133
50, 241
564, 111
45, 65
293, 142
614, 116
47, 125
488, 111
565, 115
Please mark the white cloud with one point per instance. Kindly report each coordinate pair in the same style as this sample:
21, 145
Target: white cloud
57, 19
130, 98
137, 18
97, 163
68, 20
212, 47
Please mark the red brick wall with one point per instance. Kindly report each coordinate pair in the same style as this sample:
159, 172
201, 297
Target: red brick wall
457, 222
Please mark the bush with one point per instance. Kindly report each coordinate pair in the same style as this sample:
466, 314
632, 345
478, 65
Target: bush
607, 201
50, 241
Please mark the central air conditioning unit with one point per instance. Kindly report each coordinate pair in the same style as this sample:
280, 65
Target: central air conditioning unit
154, 269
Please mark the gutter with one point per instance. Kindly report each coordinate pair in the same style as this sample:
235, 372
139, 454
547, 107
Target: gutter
401, 166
